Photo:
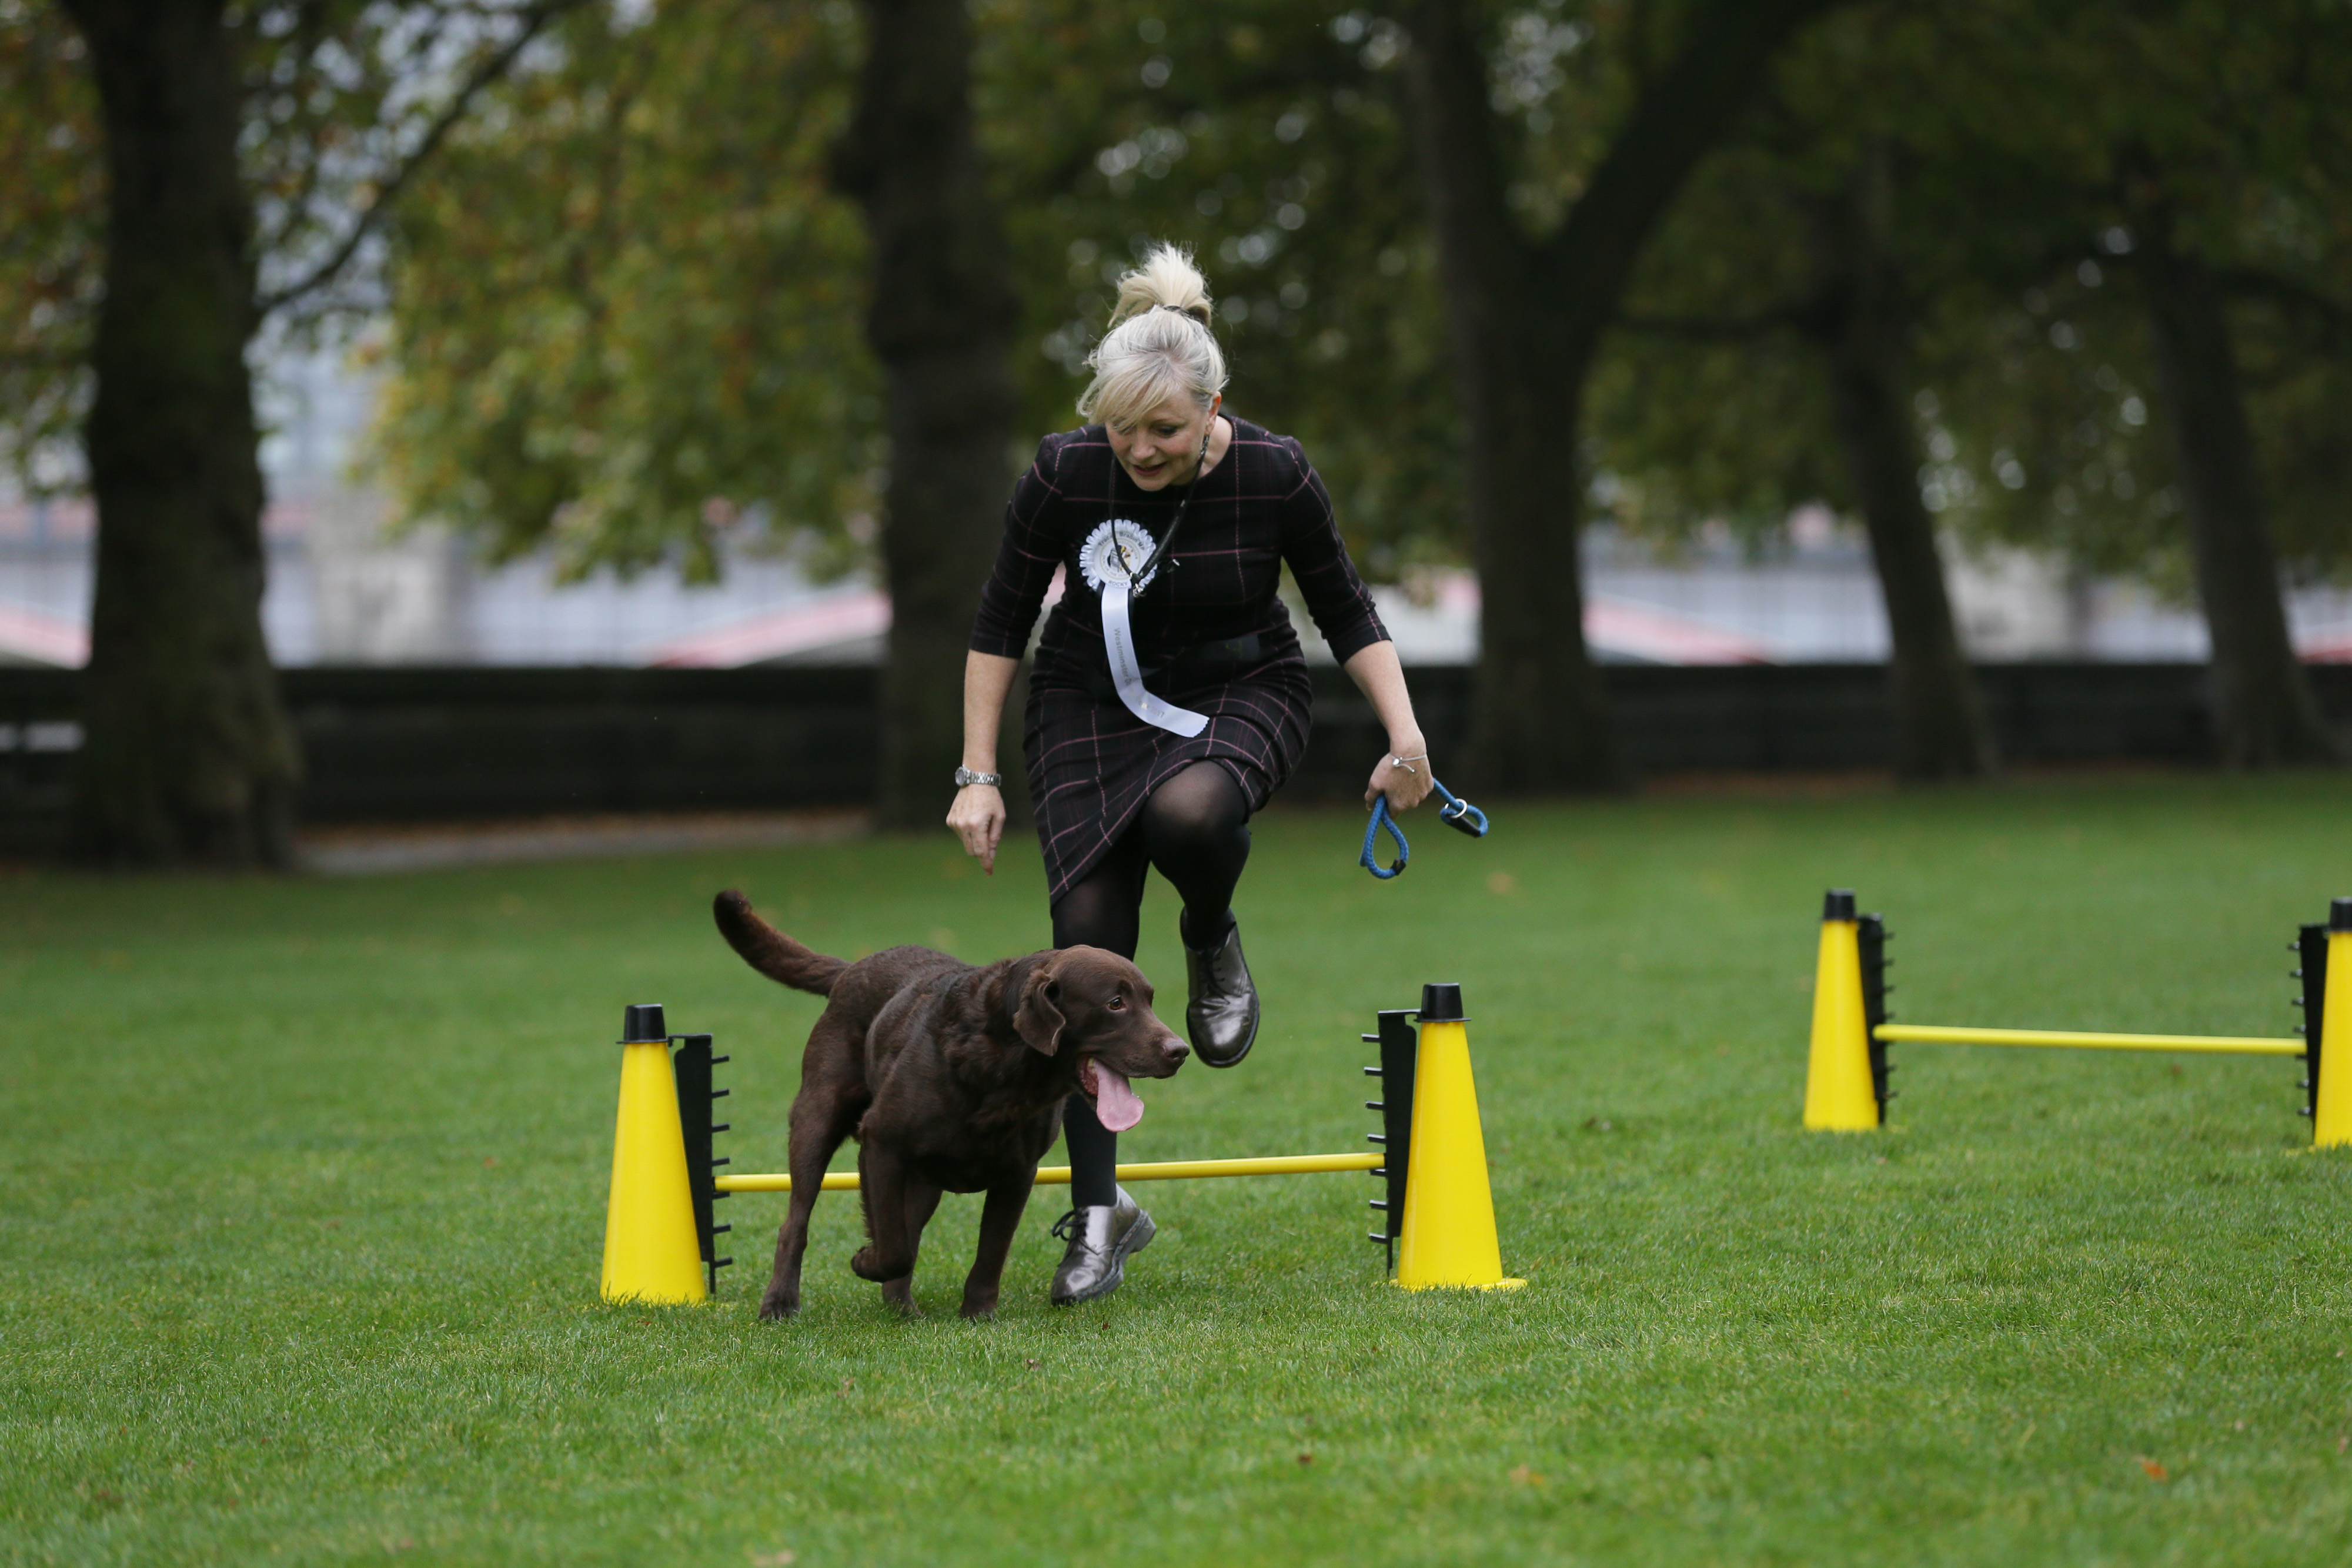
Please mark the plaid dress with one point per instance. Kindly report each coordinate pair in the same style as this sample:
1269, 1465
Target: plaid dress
1092, 764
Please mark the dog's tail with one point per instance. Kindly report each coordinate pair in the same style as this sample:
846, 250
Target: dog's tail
771, 952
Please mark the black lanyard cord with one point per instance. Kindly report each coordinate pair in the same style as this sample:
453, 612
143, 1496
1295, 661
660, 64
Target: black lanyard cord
1167, 540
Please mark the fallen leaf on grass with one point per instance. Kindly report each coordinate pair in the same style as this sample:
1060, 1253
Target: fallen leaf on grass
1032, 1364
773, 1559
1306, 1459
2156, 1472
1525, 1477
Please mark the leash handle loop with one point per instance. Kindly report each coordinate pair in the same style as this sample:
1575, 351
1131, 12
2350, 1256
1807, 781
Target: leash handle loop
1457, 813
1369, 859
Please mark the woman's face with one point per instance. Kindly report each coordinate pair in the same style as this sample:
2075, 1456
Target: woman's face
1163, 447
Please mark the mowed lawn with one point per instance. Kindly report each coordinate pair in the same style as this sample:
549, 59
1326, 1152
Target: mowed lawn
302, 1188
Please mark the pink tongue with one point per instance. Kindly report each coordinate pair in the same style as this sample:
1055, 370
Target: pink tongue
1116, 1106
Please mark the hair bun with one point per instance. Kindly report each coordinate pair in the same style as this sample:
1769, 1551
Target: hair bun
1167, 279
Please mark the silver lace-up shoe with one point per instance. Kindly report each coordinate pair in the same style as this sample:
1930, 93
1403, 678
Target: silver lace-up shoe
1101, 1237
1223, 1015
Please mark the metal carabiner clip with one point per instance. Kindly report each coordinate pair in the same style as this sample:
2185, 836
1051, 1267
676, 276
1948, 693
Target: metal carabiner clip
1459, 814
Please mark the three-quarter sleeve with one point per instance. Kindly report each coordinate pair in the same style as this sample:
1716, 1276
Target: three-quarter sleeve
1336, 597
1024, 562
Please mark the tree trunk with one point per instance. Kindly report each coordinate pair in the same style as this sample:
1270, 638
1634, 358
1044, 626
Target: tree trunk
942, 322
1539, 718
1864, 329
187, 752
2264, 712
1525, 318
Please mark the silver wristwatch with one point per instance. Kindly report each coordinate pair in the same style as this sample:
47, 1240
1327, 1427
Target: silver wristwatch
966, 776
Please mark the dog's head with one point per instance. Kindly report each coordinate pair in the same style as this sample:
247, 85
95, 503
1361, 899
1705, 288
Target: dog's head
1095, 1006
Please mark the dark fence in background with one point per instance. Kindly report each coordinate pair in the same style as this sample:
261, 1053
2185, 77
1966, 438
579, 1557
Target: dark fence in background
394, 744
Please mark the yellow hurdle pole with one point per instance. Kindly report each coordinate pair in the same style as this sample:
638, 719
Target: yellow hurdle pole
1059, 1176
2211, 1044
2331, 1114
1838, 1097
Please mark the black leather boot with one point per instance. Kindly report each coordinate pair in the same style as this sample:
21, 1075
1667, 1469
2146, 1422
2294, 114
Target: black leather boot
1223, 1015
1100, 1236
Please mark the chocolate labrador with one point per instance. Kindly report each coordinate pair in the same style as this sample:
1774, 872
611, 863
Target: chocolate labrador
951, 1078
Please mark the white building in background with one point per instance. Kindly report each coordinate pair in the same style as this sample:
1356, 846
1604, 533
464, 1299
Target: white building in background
343, 589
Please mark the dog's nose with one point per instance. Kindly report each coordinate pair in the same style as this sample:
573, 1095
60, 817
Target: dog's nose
1177, 1052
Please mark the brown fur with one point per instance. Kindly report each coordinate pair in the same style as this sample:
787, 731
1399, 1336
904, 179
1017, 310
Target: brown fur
951, 1078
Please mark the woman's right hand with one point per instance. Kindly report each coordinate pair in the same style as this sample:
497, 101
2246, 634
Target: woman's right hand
978, 819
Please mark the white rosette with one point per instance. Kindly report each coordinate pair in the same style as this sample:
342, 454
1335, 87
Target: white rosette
1110, 557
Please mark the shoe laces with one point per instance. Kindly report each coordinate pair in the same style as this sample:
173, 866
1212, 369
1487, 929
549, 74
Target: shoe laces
1066, 1227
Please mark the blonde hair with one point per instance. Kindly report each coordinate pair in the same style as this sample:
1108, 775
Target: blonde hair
1159, 345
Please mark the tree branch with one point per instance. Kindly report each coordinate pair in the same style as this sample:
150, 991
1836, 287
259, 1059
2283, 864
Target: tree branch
483, 75
2253, 283
1677, 121
1788, 316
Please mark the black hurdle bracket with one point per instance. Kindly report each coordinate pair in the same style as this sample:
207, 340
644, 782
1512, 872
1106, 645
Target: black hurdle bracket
1400, 1043
1871, 936
692, 1063
2310, 945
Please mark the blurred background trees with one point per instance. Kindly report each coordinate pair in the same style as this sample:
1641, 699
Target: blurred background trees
245, 154
652, 280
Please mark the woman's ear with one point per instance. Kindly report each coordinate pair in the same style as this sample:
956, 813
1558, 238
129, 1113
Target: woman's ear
1038, 1018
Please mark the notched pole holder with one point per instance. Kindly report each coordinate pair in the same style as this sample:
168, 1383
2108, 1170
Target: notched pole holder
692, 1064
1871, 938
1399, 1042
2327, 1032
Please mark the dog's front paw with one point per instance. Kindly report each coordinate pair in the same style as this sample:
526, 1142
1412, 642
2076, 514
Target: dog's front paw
864, 1268
775, 1308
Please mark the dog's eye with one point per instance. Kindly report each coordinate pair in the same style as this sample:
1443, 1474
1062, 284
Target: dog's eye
1118, 1004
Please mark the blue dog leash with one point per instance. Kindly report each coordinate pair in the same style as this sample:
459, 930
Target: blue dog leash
1457, 813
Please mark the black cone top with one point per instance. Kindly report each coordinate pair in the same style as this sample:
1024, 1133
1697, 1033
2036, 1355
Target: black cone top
1442, 1003
1838, 903
642, 1024
2339, 915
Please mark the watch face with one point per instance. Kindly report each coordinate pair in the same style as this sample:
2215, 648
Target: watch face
1115, 552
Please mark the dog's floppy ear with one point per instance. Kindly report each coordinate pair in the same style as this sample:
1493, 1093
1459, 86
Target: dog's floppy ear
1038, 1018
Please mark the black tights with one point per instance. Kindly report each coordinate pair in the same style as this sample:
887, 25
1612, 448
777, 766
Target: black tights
1195, 830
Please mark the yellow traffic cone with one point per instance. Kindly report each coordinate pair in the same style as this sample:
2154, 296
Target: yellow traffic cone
1838, 1093
652, 1252
1448, 1236
2331, 1112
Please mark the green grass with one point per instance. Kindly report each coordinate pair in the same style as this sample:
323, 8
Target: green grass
302, 1196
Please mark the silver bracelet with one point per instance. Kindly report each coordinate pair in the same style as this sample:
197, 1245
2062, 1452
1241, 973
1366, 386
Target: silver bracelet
965, 777
1405, 762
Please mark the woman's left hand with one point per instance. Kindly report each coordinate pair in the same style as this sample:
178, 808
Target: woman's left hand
1402, 774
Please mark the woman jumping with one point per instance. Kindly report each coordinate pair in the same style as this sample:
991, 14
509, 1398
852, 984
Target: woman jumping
1169, 699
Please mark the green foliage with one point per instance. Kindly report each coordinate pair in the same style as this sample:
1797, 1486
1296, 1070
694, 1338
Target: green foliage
52, 211
629, 304
629, 311
343, 98
1269, 137
303, 1189
2022, 141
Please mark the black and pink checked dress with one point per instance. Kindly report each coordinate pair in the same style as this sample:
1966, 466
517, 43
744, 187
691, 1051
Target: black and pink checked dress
1092, 764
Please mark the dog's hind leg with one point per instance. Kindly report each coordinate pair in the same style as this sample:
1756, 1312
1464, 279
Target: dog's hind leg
999, 1218
823, 1115
922, 1202
883, 1182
